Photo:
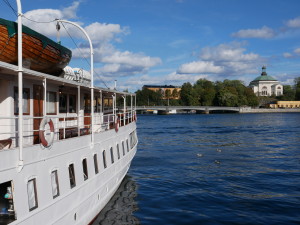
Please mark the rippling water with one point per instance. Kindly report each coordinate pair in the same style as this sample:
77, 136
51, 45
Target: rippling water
212, 169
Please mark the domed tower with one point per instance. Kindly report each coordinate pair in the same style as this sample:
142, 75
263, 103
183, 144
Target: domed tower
265, 85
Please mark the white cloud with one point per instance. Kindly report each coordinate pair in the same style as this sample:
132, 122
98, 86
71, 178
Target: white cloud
100, 32
224, 59
113, 61
227, 52
264, 32
287, 55
297, 51
200, 67
294, 23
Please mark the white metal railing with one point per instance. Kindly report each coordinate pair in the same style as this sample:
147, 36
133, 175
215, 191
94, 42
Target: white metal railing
64, 126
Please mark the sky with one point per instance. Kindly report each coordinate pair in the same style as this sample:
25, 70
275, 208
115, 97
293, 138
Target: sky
170, 42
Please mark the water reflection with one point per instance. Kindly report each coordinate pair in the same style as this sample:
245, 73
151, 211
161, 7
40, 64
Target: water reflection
121, 207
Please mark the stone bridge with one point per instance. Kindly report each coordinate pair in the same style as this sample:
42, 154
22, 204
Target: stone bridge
198, 109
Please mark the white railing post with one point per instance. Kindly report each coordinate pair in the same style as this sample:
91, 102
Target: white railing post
20, 84
78, 109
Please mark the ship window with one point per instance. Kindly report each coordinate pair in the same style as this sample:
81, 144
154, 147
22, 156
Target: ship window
127, 145
123, 148
32, 195
87, 104
62, 103
72, 104
118, 151
85, 169
104, 159
54, 181
51, 102
26, 102
96, 164
72, 176
112, 155
133, 139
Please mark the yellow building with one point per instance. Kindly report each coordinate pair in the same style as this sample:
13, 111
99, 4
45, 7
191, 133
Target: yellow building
172, 91
285, 104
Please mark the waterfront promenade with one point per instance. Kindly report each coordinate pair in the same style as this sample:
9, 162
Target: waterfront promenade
208, 109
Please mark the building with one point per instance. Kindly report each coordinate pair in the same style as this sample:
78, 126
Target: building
167, 91
285, 104
266, 85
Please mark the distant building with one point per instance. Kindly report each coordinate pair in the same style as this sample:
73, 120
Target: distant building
285, 104
172, 91
265, 85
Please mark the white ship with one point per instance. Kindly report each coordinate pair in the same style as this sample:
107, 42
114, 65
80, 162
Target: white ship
64, 149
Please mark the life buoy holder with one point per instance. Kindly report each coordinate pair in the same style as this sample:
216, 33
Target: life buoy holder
46, 143
117, 123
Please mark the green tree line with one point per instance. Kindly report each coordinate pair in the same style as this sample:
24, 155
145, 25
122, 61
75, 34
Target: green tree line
232, 93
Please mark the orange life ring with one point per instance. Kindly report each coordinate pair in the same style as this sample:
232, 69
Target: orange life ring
117, 123
46, 143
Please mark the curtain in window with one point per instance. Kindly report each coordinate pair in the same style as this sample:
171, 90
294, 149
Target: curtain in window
54, 184
31, 194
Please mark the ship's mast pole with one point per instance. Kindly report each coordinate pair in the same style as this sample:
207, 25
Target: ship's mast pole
20, 89
92, 75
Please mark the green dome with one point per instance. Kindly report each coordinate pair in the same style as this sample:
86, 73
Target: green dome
264, 78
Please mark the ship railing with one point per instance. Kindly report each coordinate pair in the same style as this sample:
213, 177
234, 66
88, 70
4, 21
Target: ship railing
67, 126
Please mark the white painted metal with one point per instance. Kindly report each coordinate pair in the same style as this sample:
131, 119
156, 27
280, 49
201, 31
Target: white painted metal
20, 85
92, 74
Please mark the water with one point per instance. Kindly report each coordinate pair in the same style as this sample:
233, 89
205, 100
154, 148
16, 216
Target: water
212, 169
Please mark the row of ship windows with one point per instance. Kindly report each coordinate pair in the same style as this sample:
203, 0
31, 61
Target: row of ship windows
31, 185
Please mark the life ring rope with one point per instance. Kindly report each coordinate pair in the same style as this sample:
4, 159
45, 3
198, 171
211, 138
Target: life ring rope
46, 143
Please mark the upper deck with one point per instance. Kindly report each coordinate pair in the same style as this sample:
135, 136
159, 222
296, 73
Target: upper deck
66, 102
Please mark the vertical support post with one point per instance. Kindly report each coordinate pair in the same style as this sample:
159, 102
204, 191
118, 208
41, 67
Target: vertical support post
78, 109
124, 109
131, 108
45, 97
20, 85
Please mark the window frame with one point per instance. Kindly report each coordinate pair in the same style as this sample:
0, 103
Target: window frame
104, 159
123, 148
74, 106
112, 155
55, 103
72, 177
96, 163
36, 205
57, 183
85, 169
16, 100
118, 151
60, 102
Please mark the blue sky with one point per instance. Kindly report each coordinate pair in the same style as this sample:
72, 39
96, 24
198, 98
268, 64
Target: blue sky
169, 42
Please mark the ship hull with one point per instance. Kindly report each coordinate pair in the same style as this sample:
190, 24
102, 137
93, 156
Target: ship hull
81, 204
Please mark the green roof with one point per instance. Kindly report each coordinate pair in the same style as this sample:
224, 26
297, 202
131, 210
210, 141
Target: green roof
264, 78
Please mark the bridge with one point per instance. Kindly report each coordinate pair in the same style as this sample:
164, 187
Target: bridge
198, 109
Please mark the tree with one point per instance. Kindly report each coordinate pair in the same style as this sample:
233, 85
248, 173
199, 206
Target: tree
297, 87
175, 93
188, 95
288, 93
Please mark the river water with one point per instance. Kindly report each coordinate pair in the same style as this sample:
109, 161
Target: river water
212, 169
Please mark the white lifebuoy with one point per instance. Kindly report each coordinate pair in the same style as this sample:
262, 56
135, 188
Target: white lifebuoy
46, 143
117, 123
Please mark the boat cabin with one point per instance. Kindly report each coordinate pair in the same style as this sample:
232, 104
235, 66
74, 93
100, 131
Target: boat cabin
65, 105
